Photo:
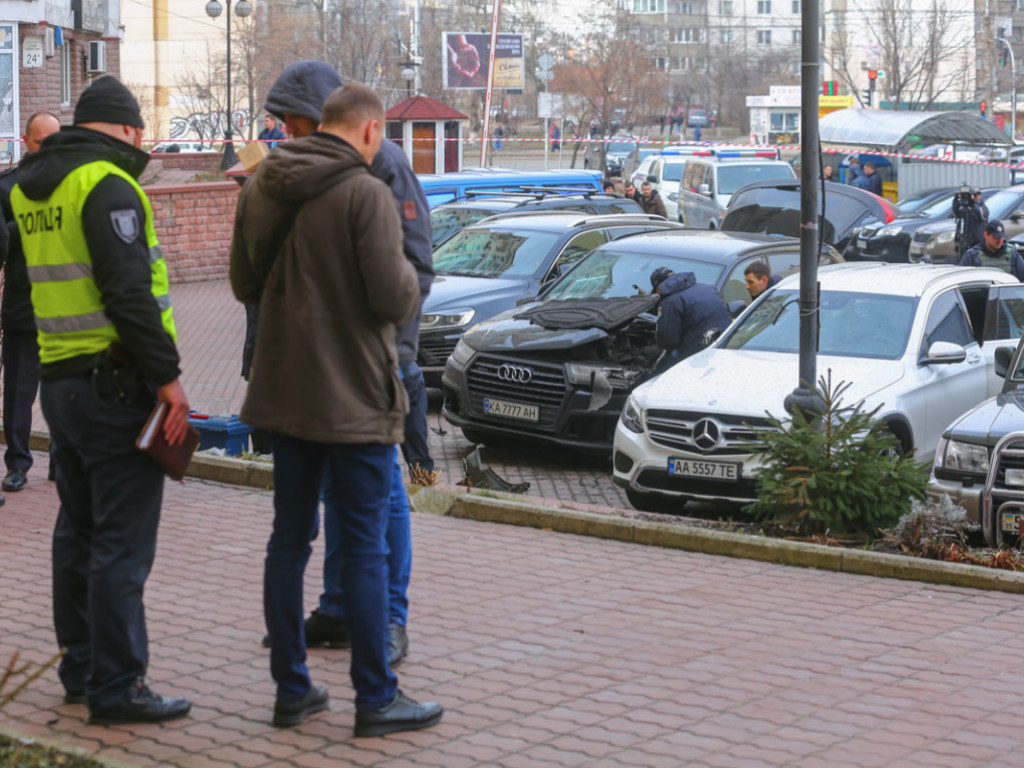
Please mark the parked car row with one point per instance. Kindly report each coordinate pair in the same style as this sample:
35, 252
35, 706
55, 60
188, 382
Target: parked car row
541, 327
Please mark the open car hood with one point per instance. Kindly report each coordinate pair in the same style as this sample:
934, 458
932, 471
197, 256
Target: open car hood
773, 207
606, 314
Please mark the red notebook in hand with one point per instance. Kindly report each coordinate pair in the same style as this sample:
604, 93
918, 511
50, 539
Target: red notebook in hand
173, 459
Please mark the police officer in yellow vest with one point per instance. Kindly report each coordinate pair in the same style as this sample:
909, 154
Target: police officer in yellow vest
107, 353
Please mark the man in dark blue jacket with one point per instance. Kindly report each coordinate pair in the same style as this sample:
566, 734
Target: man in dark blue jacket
297, 97
20, 353
994, 251
689, 314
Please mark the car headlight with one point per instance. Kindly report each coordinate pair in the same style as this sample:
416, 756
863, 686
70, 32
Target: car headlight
462, 353
889, 231
943, 238
965, 457
633, 416
616, 376
438, 321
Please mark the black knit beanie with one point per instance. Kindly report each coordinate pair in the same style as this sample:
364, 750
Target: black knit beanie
107, 101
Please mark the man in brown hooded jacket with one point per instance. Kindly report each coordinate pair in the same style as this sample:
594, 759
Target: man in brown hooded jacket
318, 245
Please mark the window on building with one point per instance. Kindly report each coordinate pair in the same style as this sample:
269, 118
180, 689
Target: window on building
764, 7
796, 7
725, 7
796, 36
726, 35
648, 6
700, 64
65, 73
764, 37
685, 8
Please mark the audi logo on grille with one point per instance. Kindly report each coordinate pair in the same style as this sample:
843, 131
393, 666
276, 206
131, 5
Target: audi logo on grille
518, 374
706, 434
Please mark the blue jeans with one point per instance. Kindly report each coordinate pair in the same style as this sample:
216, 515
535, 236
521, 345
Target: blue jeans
398, 543
363, 480
415, 448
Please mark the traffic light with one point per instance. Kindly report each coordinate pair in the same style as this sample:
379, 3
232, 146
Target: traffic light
984, 107
867, 96
1004, 57
828, 88
872, 74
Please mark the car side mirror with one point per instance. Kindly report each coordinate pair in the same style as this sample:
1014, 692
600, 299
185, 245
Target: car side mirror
945, 353
1017, 215
652, 178
704, 189
1003, 355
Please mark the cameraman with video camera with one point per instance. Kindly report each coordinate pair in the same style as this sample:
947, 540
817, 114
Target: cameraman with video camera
970, 214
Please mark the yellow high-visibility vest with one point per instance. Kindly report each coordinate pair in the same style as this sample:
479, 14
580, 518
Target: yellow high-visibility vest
68, 310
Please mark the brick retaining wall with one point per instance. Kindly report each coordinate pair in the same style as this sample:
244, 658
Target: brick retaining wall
194, 224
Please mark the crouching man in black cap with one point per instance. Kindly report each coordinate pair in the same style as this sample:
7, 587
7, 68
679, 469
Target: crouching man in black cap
994, 251
107, 353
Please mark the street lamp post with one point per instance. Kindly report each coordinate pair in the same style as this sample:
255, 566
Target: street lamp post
408, 74
1013, 88
243, 8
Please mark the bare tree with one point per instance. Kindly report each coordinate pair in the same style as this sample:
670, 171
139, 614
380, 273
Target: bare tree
919, 50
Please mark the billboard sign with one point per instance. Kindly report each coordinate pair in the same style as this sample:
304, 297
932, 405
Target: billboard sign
466, 54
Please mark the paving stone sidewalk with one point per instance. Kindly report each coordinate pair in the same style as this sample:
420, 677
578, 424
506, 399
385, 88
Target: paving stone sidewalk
547, 650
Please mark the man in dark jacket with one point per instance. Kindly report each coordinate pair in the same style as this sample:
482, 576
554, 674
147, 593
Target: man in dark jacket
869, 179
689, 314
297, 96
271, 133
317, 240
82, 214
994, 251
758, 278
651, 201
20, 347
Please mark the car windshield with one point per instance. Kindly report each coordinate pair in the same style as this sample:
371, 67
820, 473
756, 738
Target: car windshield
494, 253
674, 171
607, 274
912, 204
621, 147
1003, 203
939, 207
732, 177
870, 325
445, 222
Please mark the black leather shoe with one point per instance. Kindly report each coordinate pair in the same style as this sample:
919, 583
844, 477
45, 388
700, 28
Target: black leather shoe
322, 630
289, 713
140, 706
402, 714
398, 644
14, 481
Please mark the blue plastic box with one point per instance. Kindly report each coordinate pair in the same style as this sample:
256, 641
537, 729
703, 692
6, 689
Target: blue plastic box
225, 432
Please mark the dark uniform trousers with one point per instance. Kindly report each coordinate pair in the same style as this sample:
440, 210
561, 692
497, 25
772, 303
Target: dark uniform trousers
105, 538
20, 353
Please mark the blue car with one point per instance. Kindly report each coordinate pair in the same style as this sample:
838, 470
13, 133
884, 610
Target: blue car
445, 187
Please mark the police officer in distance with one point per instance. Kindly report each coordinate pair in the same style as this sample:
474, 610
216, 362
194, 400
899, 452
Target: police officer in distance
107, 353
994, 251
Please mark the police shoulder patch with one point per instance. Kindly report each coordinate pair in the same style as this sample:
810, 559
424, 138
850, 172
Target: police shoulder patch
125, 224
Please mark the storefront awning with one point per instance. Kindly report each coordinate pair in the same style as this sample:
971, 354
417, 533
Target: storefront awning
889, 130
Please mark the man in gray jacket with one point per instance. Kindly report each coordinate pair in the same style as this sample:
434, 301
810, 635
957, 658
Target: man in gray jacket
317, 244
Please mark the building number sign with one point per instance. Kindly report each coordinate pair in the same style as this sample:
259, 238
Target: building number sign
32, 52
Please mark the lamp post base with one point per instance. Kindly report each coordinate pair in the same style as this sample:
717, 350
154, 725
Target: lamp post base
230, 158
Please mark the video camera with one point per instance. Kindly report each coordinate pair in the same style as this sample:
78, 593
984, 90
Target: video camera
963, 201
